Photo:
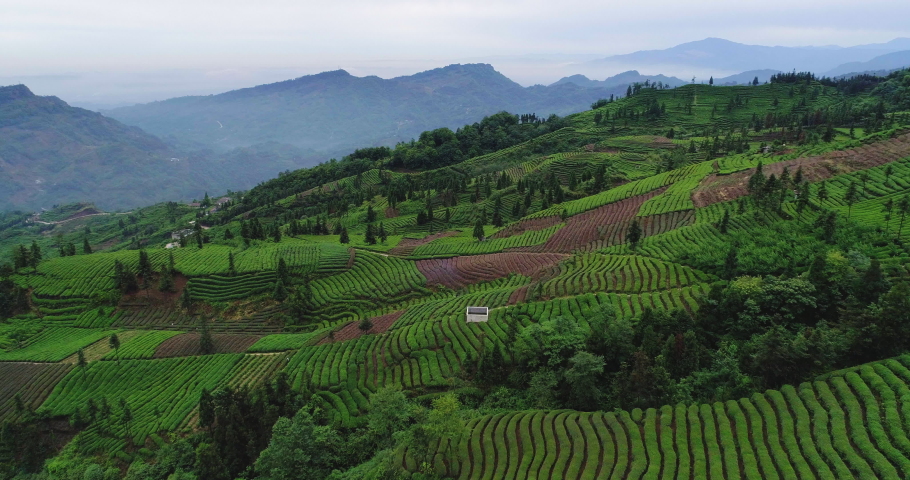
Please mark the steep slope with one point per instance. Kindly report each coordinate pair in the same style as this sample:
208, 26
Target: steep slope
52, 153
336, 110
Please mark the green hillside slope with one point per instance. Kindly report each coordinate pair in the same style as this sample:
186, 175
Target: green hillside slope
656, 306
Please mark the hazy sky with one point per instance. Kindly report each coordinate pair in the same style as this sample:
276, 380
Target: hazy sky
228, 41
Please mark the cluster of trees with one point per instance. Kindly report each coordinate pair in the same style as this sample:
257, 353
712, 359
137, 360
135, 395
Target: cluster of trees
750, 334
274, 433
442, 147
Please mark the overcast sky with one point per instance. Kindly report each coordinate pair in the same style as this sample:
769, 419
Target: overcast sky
268, 40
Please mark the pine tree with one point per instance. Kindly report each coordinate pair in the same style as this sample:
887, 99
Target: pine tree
81, 360
280, 293
850, 197
232, 270
903, 208
34, 255
369, 237
478, 230
382, 233
633, 234
281, 271
86, 247
343, 238
731, 264
114, 343
186, 300
206, 345
724, 222
165, 280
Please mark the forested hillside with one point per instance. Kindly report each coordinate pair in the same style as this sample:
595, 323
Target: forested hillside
696, 282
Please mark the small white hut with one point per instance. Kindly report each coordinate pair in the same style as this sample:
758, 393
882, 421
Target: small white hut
478, 314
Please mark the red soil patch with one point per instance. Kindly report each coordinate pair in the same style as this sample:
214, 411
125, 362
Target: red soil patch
615, 234
458, 272
593, 225
391, 212
32, 381
407, 245
187, 344
720, 188
352, 330
518, 296
528, 224
352, 257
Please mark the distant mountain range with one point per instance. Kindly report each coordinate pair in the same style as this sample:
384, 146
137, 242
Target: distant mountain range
725, 56
334, 111
52, 153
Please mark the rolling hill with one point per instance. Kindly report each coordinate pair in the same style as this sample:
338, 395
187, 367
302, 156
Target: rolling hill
52, 153
697, 282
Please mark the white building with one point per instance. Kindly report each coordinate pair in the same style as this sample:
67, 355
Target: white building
478, 314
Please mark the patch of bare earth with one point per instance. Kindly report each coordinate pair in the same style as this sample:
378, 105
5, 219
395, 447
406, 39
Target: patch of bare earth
721, 188
352, 330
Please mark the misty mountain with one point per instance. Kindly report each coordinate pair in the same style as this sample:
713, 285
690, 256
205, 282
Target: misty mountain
726, 56
746, 77
52, 153
886, 63
335, 110
620, 80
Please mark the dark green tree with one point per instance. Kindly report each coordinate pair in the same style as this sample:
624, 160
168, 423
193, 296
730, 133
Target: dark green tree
851, 195
86, 247
114, 343
343, 237
206, 344
478, 230
633, 234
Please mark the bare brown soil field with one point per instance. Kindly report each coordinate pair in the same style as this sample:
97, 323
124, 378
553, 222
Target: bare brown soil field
352, 330
721, 188
33, 382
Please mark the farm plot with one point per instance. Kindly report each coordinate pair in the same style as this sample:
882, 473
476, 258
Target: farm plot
101, 348
188, 344
619, 273
32, 381
160, 393
352, 329
407, 245
720, 188
528, 224
585, 228
378, 278
139, 345
846, 427
469, 246
255, 369
54, 344
222, 288
459, 272
615, 233
280, 342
